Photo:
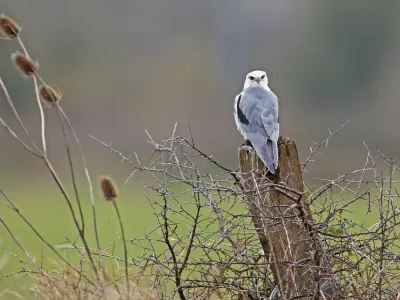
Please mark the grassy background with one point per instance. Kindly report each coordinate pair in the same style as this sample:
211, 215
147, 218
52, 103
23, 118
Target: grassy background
50, 215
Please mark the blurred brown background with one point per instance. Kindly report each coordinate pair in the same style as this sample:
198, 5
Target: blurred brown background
125, 66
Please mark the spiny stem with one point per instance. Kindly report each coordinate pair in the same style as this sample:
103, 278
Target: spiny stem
124, 243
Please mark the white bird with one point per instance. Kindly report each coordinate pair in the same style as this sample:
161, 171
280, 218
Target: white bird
257, 118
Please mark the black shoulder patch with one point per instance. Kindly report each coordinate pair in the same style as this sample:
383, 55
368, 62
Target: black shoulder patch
241, 115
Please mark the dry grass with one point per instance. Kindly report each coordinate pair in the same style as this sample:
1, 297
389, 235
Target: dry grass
69, 285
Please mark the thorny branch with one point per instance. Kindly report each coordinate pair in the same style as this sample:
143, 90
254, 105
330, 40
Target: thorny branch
232, 268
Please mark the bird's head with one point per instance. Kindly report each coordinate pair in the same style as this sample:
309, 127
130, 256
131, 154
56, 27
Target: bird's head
256, 79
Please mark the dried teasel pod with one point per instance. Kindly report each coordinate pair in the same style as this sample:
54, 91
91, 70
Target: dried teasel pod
108, 189
9, 27
24, 64
48, 94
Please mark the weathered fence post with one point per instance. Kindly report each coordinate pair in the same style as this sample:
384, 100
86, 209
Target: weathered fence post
285, 226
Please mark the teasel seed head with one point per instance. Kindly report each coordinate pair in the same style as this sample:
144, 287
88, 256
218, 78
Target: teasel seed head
26, 65
49, 94
108, 189
9, 27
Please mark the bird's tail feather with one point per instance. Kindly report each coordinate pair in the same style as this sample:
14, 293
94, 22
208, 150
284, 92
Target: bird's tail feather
276, 151
270, 155
266, 155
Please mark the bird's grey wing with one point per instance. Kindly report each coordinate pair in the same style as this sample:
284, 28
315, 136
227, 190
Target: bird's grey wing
270, 119
253, 126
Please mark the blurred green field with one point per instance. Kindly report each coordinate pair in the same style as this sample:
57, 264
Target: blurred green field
50, 215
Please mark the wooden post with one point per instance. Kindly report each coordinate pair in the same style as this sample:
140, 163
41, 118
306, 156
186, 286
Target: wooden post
284, 224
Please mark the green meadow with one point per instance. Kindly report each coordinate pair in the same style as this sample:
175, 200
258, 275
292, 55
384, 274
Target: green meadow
50, 215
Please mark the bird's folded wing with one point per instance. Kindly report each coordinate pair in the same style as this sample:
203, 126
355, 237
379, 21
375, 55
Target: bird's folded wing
270, 123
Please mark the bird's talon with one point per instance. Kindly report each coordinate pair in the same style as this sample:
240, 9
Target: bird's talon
247, 148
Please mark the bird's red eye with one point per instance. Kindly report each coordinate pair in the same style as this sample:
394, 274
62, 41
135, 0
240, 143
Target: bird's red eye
262, 77
251, 77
